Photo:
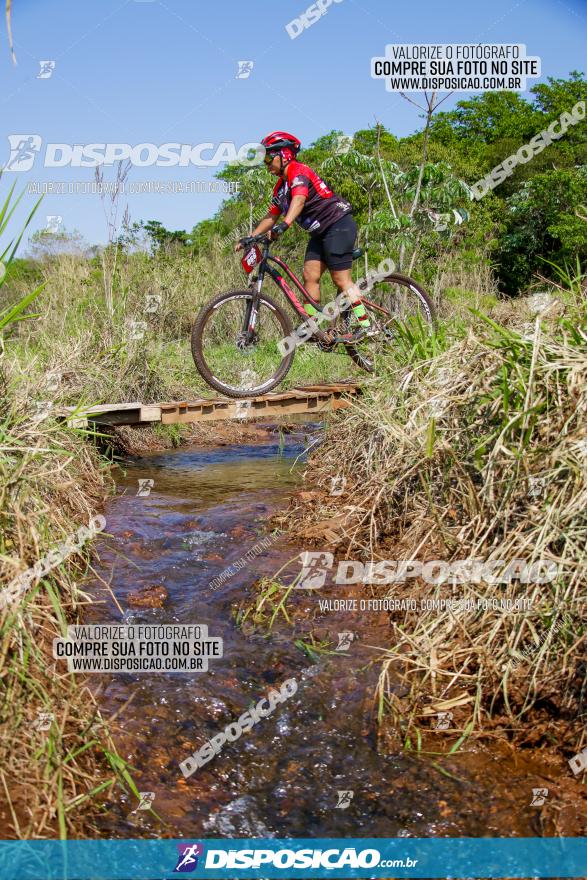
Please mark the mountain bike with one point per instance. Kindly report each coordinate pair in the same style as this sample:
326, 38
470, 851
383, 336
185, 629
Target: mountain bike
237, 338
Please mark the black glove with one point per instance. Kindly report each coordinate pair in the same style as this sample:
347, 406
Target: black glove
279, 229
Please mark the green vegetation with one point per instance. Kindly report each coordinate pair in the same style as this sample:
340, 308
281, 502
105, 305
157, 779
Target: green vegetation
56, 753
404, 189
114, 322
439, 452
474, 446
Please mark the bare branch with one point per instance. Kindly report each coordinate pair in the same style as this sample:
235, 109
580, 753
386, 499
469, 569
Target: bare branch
413, 102
388, 194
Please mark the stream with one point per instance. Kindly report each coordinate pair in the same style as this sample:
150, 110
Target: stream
204, 509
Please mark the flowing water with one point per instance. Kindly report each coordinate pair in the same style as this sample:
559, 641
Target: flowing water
204, 510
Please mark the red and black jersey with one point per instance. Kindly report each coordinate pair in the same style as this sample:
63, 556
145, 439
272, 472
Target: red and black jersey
322, 207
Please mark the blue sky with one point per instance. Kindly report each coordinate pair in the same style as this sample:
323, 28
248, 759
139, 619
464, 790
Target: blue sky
165, 71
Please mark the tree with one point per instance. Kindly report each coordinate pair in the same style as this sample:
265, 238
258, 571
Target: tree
558, 95
253, 191
487, 118
163, 239
440, 207
45, 243
365, 174
541, 225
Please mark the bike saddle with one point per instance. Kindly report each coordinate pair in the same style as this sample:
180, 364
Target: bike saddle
358, 252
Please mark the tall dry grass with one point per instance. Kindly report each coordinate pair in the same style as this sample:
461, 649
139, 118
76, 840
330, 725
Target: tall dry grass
56, 755
52, 482
142, 350
442, 457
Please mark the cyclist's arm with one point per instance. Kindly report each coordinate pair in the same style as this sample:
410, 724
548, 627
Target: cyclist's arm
295, 209
265, 225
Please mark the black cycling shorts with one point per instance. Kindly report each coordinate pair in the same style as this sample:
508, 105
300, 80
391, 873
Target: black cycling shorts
335, 246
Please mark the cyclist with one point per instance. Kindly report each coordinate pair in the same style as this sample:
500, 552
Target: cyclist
301, 195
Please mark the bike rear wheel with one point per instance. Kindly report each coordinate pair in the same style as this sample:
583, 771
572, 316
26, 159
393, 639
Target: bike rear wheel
228, 361
396, 304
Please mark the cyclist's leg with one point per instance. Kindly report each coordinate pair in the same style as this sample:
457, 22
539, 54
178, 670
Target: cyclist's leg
339, 242
313, 271
314, 268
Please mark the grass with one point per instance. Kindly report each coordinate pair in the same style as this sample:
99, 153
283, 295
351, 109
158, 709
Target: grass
436, 454
51, 482
57, 756
141, 351
440, 455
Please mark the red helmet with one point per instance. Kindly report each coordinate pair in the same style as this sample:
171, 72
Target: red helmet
287, 145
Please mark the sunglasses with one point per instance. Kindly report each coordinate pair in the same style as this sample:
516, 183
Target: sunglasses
268, 159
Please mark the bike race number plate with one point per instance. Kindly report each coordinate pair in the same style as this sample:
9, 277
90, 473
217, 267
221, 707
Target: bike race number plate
251, 258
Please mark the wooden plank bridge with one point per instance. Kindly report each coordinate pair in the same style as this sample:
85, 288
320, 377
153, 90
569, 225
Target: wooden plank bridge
315, 399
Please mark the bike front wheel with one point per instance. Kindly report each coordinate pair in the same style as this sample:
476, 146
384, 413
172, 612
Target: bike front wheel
231, 359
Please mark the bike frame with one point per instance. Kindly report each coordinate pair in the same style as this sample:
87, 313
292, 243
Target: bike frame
265, 268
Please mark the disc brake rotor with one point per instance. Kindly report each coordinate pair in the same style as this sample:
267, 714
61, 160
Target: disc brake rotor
244, 344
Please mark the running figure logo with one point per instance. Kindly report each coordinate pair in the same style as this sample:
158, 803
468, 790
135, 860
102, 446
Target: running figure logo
187, 860
54, 223
337, 485
146, 799
539, 796
342, 144
344, 799
245, 69
43, 721
23, 150
443, 720
47, 68
345, 640
315, 566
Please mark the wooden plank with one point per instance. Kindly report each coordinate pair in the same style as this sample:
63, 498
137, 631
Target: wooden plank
150, 413
245, 409
106, 407
117, 417
302, 399
351, 388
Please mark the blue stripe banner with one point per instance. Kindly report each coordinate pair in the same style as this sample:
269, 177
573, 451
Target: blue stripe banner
292, 858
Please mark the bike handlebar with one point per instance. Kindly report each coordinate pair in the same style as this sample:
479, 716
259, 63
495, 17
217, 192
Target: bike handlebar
248, 240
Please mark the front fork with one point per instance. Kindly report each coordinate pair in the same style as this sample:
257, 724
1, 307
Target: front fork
252, 310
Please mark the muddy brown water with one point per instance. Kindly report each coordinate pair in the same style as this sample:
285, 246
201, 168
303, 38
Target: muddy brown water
206, 508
